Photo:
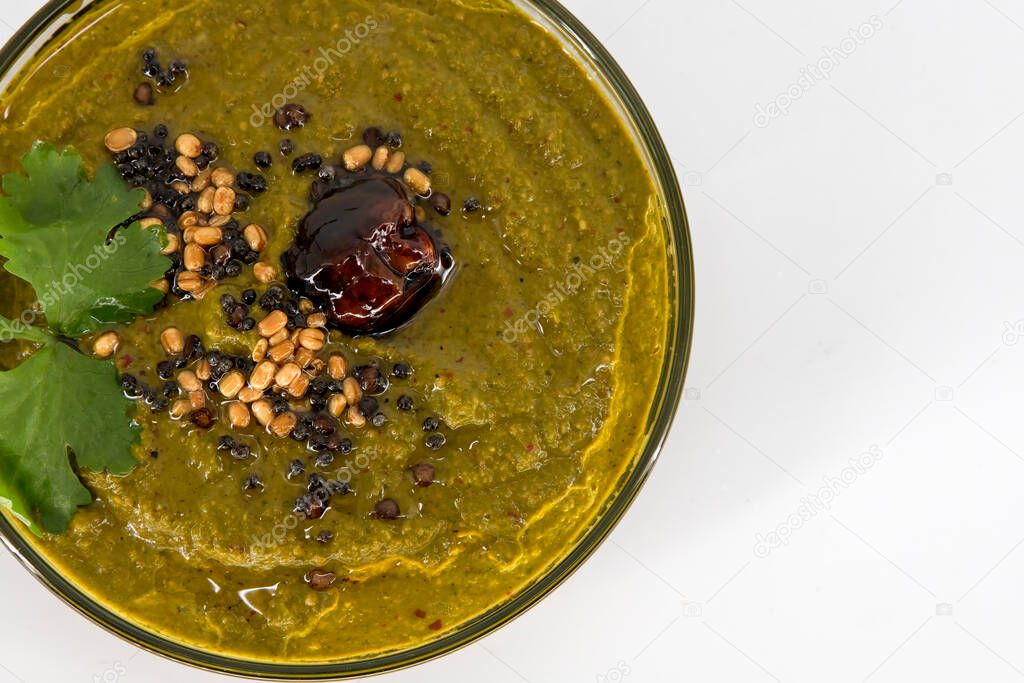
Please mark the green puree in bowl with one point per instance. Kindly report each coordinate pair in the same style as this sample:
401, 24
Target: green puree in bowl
540, 356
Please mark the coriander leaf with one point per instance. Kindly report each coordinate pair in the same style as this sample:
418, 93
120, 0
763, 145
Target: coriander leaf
53, 226
15, 329
58, 400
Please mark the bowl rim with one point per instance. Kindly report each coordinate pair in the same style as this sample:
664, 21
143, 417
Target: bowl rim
667, 398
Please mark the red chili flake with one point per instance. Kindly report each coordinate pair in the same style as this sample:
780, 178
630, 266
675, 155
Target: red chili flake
399, 97
616, 200
435, 625
420, 613
529, 447
125, 361
509, 312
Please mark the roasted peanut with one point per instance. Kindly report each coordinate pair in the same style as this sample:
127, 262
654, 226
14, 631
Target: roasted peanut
194, 257
172, 340
303, 357
283, 424
180, 408
337, 366
354, 417
189, 381
299, 386
191, 282
186, 166
224, 201
395, 163
208, 236
173, 244
120, 139
203, 370
264, 272
417, 180
249, 394
287, 374
281, 352
262, 375
222, 177
230, 384
380, 158
190, 218
336, 404
356, 157
264, 411
353, 392
259, 352
256, 236
204, 203
202, 180
106, 344
273, 323
238, 415
312, 339
188, 145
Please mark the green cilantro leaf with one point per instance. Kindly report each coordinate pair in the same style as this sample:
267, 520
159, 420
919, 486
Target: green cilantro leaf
11, 330
59, 404
56, 403
53, 226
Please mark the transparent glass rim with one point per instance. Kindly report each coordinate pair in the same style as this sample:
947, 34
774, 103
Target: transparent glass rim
47, 23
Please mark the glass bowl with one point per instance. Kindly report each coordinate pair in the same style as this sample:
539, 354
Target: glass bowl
48, 23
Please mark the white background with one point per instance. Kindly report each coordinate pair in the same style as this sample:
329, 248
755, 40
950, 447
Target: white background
859, 277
